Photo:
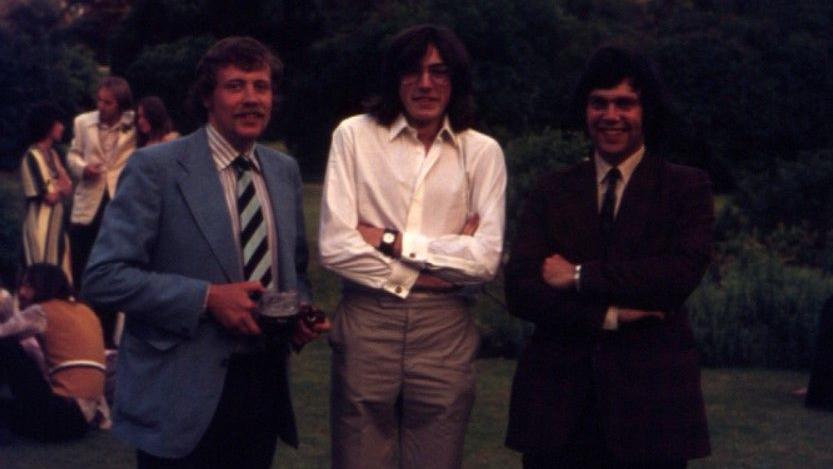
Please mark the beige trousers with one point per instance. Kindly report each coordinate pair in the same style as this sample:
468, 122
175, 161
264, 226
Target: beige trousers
402, 381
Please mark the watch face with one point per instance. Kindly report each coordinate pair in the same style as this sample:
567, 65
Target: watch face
388, 238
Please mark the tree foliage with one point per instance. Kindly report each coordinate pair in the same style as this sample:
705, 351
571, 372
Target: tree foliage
33, 67
752, 81
751, 78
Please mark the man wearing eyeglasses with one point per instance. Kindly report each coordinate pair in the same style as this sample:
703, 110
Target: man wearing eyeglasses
413, 212
607, 252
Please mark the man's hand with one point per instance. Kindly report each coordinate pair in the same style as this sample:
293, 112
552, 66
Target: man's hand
63, 184
92, 171
557, 272
472, 223
625, 315
304, 333
232, 306
52, 198
371, 234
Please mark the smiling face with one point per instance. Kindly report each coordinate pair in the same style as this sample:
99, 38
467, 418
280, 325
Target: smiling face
614, 121
241, 104
426, 91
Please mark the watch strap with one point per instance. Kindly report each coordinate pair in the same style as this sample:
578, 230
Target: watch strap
387, 248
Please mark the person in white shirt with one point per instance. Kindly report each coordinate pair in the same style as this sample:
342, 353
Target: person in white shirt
102, 142
413, 211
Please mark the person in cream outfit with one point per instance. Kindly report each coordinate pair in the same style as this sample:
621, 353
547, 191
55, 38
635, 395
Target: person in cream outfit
102, 142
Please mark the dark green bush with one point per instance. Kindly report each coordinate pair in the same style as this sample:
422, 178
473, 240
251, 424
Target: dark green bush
159, 66
501, 334
754, 310
11, 219
790, 203
37, 64
531, 156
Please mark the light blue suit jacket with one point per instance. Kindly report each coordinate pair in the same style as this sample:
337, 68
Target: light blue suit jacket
165, 237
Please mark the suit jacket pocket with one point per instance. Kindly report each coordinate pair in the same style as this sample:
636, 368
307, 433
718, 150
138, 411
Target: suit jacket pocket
154, 337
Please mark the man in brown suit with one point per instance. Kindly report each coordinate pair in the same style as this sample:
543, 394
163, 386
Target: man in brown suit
607, 252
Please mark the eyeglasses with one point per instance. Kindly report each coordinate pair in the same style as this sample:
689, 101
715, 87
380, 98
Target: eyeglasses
439, 74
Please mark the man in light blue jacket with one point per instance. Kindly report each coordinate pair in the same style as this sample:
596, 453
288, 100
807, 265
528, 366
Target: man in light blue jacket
199, 228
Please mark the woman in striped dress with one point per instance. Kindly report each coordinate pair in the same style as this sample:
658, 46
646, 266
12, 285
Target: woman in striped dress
46, 185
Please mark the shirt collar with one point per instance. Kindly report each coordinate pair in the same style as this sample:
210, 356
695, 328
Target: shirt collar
223, 153
401, 124
626, 167
124, 123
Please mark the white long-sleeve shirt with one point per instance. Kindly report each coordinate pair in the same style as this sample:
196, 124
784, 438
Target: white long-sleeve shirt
383, 176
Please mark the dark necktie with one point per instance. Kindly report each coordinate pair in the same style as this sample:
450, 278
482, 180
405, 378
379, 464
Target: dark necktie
257, 260
609, 206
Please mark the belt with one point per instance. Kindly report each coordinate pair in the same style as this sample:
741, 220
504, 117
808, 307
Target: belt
444, 291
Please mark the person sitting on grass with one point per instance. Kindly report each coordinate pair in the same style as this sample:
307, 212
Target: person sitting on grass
64, 400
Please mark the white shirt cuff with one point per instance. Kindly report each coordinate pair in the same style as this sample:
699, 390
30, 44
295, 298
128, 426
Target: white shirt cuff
414, 248
401, 280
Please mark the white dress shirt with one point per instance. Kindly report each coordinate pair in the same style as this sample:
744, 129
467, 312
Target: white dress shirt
384, 176
20, 324
224, 154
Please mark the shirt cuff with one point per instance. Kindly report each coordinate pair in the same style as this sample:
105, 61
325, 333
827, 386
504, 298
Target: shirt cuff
414, 248
611, 322
205, 313
401, 280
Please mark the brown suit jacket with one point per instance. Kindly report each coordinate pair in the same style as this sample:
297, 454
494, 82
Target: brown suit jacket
645, 376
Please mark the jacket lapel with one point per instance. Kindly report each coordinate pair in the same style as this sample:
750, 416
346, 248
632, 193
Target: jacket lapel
200, 186
124, 145
582, 213
96, 139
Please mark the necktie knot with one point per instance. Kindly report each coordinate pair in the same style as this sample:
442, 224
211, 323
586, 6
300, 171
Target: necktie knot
241, 164
613, 176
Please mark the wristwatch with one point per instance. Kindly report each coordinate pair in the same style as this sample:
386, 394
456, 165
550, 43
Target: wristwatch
388, 240
577, 276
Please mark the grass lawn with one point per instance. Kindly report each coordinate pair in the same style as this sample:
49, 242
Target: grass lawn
755, 422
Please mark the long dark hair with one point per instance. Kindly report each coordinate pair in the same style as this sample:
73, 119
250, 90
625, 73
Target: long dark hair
608, 67
40, 119
156, 114
404, 53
